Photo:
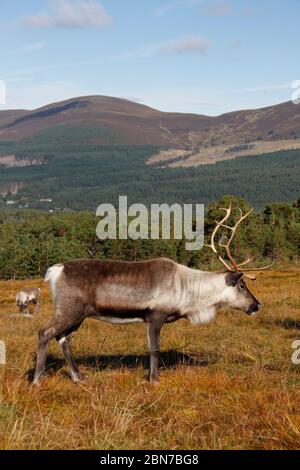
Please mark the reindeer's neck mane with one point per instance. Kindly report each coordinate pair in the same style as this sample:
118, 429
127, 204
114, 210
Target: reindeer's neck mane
203, 292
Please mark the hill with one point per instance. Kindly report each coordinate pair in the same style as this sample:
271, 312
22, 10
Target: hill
106, 120
84, 151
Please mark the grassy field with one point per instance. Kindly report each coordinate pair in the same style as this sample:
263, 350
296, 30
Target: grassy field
226, 385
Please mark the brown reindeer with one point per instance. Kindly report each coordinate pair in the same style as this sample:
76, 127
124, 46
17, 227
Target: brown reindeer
154, 292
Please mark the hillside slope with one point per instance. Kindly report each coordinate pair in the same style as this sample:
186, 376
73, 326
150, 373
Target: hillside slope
106, 120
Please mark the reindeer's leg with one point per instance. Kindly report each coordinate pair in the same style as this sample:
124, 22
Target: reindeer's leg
37, 307
65, 343
153, 332
54, 330
45, 336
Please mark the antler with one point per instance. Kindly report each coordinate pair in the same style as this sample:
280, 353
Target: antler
234, 267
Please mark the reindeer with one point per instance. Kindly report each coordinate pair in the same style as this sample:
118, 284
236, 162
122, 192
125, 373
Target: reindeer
154, 292
26, 297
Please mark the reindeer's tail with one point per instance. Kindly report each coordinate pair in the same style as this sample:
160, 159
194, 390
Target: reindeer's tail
52, 276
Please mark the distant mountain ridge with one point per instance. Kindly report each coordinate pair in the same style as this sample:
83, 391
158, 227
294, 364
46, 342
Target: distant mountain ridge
123, 122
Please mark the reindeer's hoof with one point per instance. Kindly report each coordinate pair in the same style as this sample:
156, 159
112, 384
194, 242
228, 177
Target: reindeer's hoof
154, 380
37, 381
78, 378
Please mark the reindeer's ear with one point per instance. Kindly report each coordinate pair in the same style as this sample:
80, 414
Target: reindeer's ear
233, 278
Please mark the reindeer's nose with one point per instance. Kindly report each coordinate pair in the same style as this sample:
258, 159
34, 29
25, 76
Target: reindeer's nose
254, 308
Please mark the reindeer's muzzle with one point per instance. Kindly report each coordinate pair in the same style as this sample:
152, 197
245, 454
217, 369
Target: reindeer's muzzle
22, 306
254, 307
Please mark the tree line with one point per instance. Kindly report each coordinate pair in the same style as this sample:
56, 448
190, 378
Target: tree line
31, 241
80, 177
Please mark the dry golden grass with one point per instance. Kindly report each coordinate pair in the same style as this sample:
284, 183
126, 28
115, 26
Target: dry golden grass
226, 385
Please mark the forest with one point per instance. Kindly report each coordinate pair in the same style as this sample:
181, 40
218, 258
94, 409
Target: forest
80, 177
31, 241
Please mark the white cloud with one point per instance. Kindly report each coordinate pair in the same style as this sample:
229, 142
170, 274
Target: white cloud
187, 45
180, 47
172, 5
216, 9
71, 14
37, 46
266, 88
166, 8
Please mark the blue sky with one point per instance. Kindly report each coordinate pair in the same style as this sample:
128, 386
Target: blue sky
206, 57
